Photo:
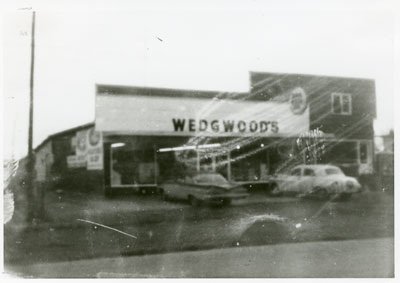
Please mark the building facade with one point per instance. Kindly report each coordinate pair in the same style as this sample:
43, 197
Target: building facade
59, 162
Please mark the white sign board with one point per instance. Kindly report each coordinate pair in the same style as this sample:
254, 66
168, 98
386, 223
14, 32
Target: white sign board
173, 116
76, 161
89, 146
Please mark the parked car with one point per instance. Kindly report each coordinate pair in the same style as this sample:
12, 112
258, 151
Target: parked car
203, 187
320, 181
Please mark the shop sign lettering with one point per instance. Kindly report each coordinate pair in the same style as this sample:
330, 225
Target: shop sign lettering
76, 161
148, 116
224, 126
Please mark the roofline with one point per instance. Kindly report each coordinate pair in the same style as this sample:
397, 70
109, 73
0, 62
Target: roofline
168, 92
316, 165
311, 75
81, 127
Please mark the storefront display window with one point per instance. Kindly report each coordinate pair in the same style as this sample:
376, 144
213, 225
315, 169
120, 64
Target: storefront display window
132, 167
248, 162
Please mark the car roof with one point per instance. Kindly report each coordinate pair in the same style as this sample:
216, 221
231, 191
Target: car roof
206, 173
192, 174
315, 166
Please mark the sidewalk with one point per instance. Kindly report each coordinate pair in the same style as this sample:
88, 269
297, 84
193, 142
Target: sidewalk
344, 259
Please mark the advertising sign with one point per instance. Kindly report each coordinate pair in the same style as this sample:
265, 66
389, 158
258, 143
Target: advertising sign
150, 115
88, 149
94, 150
76, 161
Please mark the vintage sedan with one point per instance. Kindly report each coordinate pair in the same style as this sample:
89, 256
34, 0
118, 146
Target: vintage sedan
319, 181
203, 187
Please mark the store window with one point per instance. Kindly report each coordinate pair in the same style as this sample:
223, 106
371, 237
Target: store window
132, 167
207, 161
341, 103
186, 160
248, 162
222, 165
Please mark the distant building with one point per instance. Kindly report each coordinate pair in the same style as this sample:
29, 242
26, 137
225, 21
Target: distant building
388, 142
384, 163
53, 162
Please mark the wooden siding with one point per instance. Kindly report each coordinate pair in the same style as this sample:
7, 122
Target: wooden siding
319, 89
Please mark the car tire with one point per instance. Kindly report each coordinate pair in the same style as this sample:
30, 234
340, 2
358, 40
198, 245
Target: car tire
321, 193
194, 201
274, 190
165, 197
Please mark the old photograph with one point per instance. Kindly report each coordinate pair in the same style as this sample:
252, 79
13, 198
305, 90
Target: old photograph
199, 139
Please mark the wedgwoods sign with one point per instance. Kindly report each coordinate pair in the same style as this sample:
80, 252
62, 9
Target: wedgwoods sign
173, 116
224, 126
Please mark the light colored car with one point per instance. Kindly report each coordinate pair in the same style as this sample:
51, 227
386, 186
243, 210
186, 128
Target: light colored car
203, 187
321, 181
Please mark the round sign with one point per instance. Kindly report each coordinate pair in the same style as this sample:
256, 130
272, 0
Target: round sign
94, 137
298, 101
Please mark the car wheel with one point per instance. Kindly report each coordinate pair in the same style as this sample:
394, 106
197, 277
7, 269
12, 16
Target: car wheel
321, 193
274, 190
194, 201
165, 196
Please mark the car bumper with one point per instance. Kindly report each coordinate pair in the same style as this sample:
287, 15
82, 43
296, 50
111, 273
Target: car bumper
352, 190
346, 192
224, 196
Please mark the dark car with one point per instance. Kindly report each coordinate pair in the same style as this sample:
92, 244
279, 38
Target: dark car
204, 187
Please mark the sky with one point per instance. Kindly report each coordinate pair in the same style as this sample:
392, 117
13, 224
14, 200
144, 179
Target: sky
208, 46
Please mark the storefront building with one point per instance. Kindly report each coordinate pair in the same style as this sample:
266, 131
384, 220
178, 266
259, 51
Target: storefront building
142, 137
151, 135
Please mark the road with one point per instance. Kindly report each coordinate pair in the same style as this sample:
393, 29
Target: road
184, 228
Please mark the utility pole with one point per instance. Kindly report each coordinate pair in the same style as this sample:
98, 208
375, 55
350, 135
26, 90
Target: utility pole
30, 141
30, 184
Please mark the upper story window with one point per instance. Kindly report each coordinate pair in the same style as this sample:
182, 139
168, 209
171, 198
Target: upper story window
341, 103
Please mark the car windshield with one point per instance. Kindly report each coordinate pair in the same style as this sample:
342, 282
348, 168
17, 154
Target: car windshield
210, 179
333, 171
